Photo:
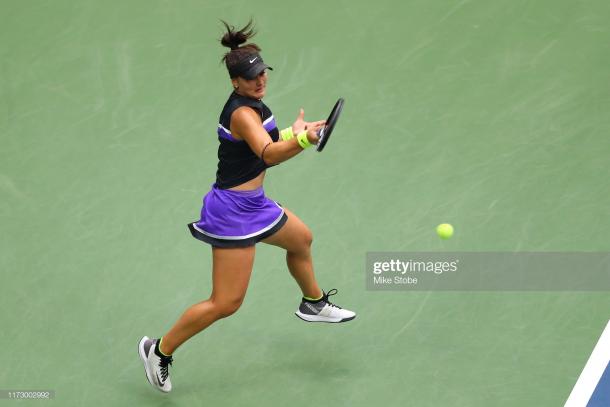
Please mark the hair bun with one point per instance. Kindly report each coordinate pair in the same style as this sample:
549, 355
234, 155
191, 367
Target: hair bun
234, 38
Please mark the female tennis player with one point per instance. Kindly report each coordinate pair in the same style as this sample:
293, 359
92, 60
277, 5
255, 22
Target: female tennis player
236, 214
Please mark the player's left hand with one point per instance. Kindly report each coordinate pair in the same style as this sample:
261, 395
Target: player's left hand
300, 124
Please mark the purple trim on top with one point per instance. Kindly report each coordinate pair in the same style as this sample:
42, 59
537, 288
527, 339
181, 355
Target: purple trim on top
270, 125
224, 133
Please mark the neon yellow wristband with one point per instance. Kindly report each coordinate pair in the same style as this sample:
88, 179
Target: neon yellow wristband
303, 141
287, 133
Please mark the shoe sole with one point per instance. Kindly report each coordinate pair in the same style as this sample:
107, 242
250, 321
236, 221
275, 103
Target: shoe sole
316, 318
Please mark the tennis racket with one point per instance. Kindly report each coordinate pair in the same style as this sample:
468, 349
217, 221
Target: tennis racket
325, 132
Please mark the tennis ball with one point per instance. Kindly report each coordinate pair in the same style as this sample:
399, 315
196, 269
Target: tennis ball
444, 230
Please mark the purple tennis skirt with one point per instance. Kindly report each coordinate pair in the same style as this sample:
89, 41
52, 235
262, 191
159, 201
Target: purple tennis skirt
237, 218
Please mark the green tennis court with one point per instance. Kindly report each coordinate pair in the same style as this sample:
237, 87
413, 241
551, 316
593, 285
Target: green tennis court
489, 115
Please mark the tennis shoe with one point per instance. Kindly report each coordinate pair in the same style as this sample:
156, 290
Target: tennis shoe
323, 310
156, 366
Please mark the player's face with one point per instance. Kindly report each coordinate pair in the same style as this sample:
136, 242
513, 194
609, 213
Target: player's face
252, 88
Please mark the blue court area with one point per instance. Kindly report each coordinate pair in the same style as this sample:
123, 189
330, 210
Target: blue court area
491, 116
601, 395
593, 386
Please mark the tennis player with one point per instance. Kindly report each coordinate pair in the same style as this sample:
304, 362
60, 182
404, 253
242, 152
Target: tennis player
236, 214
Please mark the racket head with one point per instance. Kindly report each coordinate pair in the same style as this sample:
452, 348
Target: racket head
328, 128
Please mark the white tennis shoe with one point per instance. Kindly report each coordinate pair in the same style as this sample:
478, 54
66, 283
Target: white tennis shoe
323, 310
156, 367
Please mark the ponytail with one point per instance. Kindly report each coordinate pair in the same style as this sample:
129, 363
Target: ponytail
234, 39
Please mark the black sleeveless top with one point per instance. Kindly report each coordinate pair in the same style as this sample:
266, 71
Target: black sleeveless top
237, 163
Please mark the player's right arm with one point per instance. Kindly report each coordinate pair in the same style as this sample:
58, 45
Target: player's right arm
246, 125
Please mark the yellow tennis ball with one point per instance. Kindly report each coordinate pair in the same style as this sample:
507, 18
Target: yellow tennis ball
444, 230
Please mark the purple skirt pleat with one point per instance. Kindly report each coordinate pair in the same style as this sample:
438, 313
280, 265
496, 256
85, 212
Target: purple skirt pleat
237, 218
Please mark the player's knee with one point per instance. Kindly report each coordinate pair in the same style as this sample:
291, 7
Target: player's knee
227, 307
307, 238
303, 243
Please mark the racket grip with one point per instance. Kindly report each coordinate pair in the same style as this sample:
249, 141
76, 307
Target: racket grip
320, 135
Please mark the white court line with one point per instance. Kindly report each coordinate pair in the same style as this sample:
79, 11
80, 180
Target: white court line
592, 373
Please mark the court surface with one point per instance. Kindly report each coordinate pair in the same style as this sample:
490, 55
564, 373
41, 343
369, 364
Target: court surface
490, 115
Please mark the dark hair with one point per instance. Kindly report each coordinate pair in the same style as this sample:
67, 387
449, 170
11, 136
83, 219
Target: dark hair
233, 39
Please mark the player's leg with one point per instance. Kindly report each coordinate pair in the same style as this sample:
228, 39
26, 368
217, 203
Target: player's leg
230, 277
296, 238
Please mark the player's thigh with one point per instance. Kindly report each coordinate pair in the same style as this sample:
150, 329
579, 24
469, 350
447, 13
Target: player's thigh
293, 236
231, 272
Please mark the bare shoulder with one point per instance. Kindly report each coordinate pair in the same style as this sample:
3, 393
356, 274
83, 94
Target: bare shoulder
246, 124
245, 114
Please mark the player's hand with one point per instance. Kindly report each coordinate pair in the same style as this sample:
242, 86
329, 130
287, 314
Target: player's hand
312, 132
300, 124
